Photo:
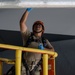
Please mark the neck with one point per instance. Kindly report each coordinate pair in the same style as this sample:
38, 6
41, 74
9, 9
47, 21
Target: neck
38, 34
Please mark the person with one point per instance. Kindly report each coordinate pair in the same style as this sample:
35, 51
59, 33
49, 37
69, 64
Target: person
32, 40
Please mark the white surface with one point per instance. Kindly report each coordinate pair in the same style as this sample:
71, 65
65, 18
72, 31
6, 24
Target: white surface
36, 3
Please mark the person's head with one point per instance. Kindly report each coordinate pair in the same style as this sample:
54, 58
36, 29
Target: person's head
38, 27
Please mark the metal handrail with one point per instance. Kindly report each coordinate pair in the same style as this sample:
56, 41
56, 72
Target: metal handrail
18, 54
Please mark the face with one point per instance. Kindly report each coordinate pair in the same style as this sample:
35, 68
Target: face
38, 28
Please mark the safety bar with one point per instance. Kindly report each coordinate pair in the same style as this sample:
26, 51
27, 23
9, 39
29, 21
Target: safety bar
18, 54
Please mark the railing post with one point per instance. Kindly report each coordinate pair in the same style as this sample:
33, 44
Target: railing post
1, 64
18, 62
45, 64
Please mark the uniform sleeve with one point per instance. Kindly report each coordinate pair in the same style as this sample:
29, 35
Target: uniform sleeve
49, 46
25, 36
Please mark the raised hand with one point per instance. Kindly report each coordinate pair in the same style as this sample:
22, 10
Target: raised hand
29, 9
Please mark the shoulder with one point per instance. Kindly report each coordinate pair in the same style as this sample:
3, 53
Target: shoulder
26, 33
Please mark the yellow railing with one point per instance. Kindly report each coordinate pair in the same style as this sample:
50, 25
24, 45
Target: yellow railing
18, 54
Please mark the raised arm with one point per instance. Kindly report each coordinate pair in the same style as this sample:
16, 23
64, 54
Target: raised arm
23, 26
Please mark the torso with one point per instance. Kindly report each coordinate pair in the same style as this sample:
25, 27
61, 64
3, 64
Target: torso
29, 56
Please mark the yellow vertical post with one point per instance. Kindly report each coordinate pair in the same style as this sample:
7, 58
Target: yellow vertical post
1, 67
18, 62
45, 64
